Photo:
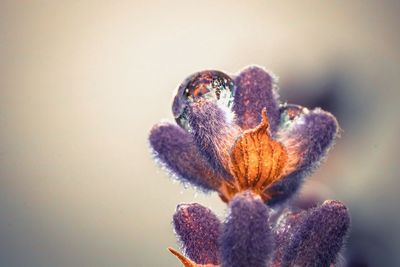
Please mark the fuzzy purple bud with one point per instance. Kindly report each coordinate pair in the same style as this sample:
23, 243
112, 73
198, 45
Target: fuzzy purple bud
255, 90
319, 237
175, 149
198, 230
213, 133
310, 135
283, 232
246, 238
314, 134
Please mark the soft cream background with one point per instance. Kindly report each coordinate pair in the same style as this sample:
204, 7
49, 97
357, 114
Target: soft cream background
82, 82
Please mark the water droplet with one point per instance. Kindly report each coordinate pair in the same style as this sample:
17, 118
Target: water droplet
212, 85
290, 112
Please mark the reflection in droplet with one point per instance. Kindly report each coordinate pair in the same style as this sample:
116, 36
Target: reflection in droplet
291, 112
212, 85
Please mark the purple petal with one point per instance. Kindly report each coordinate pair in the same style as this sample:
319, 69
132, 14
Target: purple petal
175, 149
246, 238
283, 233
256, 89
213, 133
307, 139
198, 230
319, 236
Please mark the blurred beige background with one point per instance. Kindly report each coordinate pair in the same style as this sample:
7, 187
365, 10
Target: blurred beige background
82, 82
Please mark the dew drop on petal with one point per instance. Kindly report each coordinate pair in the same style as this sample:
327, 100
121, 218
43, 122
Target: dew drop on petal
291, 112
212, 85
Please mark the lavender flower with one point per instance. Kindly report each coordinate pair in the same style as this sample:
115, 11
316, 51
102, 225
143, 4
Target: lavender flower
235, 137
249, 238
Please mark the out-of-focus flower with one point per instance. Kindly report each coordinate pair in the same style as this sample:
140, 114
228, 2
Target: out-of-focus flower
233, 135
248, 237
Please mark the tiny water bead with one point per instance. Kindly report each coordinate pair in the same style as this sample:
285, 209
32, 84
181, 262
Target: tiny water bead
212, 85
290, 112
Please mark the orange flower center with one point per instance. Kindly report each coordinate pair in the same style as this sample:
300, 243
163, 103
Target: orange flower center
256, 162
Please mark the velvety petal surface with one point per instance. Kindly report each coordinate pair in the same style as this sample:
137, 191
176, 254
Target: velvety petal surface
214, 134
319, 237
255, 90
246, 238
198, 230
283, 232
176, 150
307, 139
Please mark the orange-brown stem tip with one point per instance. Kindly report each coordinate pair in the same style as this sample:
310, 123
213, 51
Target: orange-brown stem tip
185, 261
264, 116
